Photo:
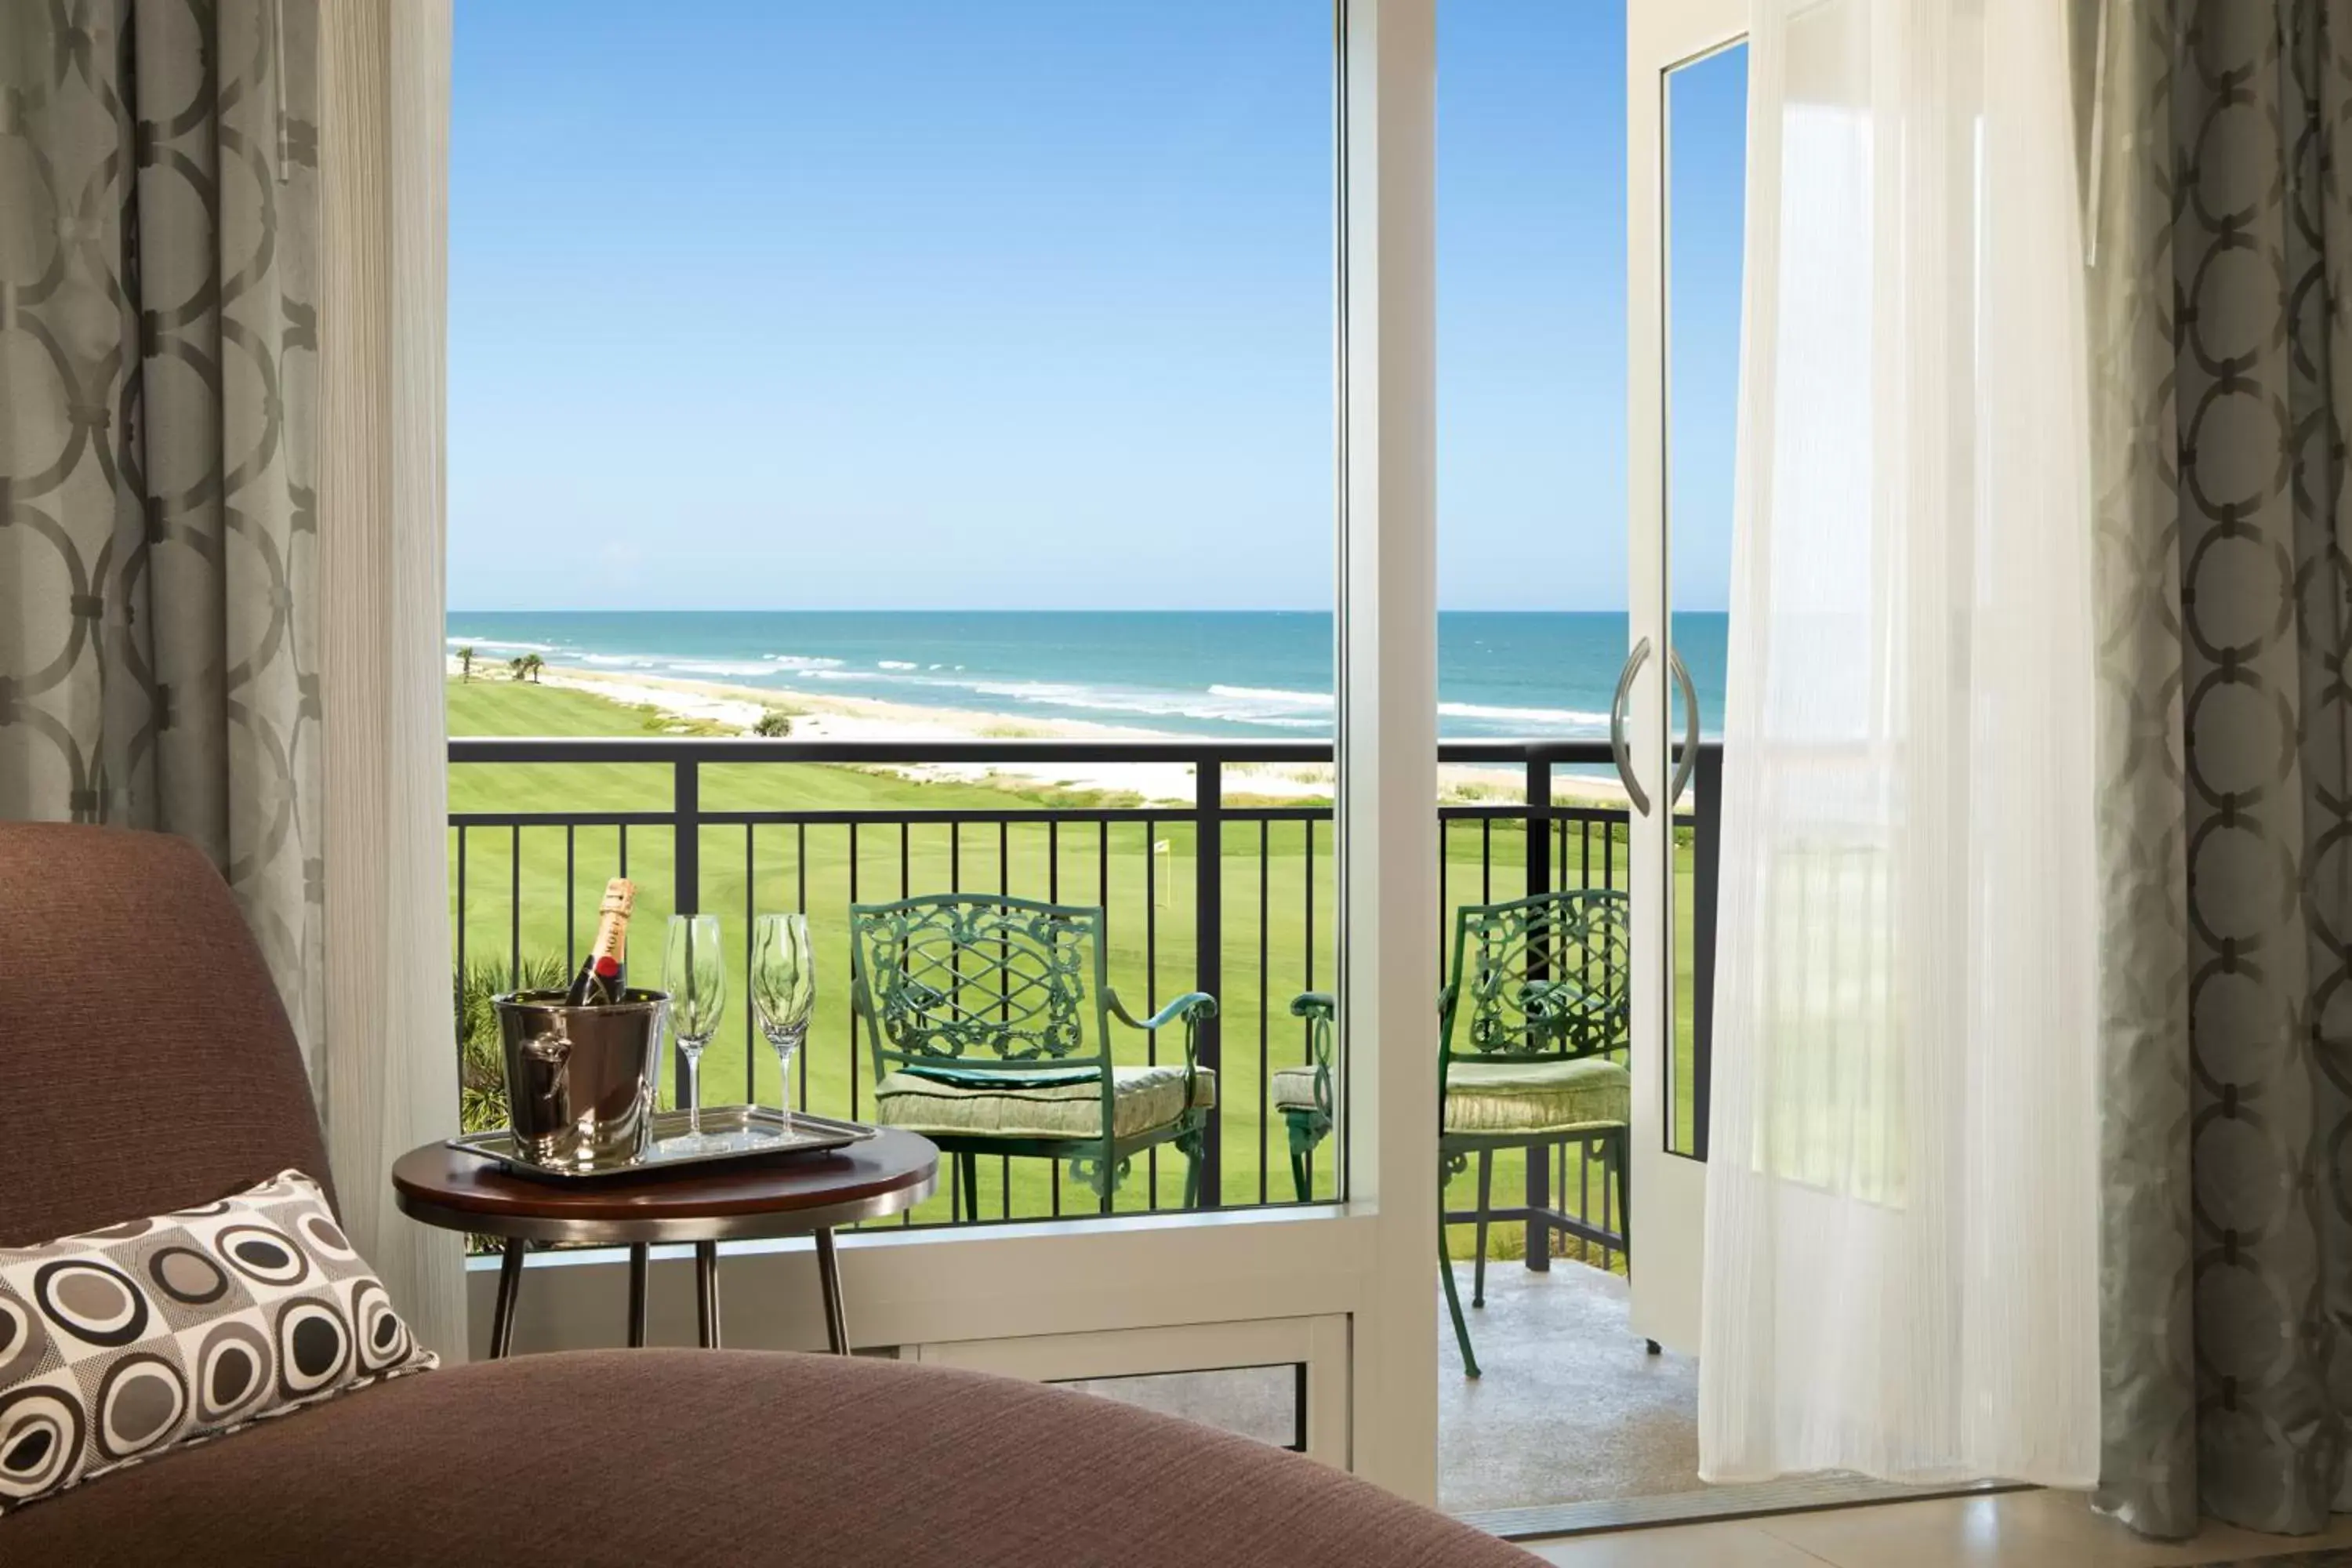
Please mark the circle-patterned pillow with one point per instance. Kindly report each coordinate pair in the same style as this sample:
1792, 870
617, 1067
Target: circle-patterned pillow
128, 1341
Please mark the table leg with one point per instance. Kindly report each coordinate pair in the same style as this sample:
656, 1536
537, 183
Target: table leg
509, 1287
637, 1269
706, 1290
828, 1277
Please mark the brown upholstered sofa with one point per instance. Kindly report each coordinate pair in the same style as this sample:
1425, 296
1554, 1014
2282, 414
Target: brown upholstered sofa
145, 1066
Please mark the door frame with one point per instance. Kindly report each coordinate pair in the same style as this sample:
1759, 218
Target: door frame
1669, 1189
1366, 1261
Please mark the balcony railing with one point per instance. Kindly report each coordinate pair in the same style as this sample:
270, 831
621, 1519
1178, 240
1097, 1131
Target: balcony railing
738, 826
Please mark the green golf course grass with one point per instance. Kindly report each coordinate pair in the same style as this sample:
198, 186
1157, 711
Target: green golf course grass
531, 894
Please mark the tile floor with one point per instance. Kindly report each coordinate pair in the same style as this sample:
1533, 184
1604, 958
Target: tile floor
2010, 1529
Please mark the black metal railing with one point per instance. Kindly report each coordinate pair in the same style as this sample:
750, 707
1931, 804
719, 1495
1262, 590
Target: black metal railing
743, 826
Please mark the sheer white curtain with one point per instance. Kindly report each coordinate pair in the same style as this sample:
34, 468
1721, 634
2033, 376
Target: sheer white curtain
1902, 1238
387, 1075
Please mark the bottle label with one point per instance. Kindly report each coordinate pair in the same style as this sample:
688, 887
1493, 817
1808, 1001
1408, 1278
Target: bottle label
612, 925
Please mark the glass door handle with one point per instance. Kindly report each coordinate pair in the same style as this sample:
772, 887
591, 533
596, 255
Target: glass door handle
1689, 759
1623, 753
1618, 748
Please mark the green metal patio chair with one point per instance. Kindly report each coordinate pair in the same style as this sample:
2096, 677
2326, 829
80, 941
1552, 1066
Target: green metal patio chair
990, 1021
1529, 1063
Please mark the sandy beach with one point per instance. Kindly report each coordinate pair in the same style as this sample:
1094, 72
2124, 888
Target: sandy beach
825, 716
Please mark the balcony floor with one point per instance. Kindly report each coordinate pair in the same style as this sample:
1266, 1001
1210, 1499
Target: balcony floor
1569, 1408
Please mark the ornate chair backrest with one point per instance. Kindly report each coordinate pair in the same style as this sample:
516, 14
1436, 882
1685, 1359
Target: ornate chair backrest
1542, 978
980, 983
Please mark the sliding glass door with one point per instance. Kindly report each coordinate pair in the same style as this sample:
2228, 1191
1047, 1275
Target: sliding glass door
841, 573
1686, 81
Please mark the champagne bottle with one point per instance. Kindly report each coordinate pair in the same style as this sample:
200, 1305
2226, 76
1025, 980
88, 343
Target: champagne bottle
604, 973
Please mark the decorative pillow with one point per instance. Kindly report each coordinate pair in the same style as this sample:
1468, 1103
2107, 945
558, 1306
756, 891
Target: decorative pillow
130, 1341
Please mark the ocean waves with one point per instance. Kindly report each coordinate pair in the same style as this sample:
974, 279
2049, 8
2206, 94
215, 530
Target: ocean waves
1538, 719
1237, 673
729, 668
937, 685
1265, 707
495, 645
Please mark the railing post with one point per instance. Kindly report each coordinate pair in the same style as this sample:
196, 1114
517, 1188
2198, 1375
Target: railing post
686, 858
1209, 955
1706, 861
1538, 864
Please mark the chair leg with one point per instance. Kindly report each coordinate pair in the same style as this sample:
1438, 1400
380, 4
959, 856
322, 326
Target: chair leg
968, 1174
1303, 1139
1486, 1202
1538, 1228
1453, 1292
1192, 1142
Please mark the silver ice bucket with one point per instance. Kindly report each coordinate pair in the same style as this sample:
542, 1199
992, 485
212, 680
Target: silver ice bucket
580, 1081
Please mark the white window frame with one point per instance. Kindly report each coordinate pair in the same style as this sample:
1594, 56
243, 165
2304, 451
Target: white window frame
1349, 1283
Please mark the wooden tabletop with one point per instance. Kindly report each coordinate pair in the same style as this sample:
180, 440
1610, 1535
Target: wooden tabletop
780, 1196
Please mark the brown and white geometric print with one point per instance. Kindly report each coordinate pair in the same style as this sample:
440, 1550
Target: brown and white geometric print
158, 351
119, 1344
2222, 395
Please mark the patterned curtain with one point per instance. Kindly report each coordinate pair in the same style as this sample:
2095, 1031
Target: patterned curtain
158, 347
2222, 388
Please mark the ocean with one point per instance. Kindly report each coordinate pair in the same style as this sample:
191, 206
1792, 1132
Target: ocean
1265, 673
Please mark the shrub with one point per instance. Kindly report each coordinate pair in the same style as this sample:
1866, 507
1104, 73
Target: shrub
481, 1071
774, 724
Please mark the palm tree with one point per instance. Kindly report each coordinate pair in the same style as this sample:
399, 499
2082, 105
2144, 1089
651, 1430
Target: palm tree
532, 665
466, 663
514, 667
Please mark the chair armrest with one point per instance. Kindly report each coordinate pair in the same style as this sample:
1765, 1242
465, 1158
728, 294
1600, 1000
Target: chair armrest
1324, 1005
1190, 1006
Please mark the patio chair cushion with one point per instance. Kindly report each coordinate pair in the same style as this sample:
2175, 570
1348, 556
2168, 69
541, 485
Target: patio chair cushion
1560, 1096
1049, 1103
733, 1460
1293, 1089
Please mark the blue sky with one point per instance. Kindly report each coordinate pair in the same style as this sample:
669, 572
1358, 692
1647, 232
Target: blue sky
1027, 303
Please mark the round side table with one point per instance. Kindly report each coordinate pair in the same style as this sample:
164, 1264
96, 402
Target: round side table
800, 1195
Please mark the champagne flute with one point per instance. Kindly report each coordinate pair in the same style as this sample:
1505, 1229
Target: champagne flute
694, 974
783, 993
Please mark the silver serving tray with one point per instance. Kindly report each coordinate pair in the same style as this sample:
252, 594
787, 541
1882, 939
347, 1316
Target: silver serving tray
750, 1132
